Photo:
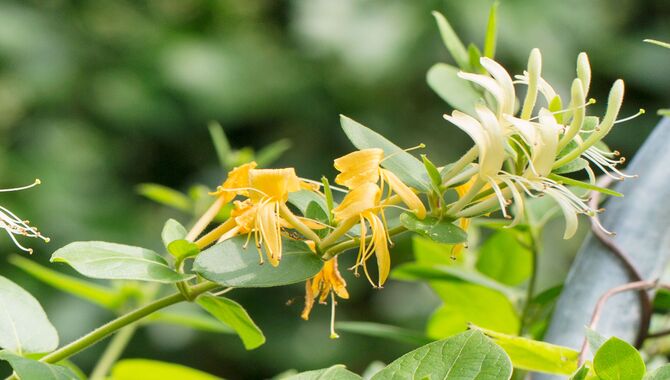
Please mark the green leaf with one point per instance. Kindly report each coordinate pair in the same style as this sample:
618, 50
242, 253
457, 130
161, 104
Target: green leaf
92, 292
429, 252
582, 373
233, 314
661, 373
441, 231
379, 330
221, 145
456, 91
271, 153
457, 274
301, 199
24, 327
618, 360
491, 31
573, 166
315, 212
336, 372
183, 248
191, 320
466, 356
452, 42
475, 55
133, 369
407, 167
29, 369
468, 303
662, 301
532, 355
166, 196
172, 230
231, 264
503, 258
433, 174
584, 185
98, 259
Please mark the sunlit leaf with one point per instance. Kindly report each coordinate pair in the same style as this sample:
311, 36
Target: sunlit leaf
172, 230
183, 248
24, 327
617, 360
336, 372
491, 31
98, 259
504, 258
466, 356
234, 315
133, 369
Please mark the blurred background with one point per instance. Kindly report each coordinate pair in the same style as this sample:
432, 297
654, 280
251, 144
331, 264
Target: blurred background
99, 96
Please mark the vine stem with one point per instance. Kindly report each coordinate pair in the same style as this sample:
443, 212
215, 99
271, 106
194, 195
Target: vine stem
112, 326
113, 352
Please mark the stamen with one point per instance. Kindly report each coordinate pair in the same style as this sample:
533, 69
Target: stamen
639, 113
37, 182
420, 146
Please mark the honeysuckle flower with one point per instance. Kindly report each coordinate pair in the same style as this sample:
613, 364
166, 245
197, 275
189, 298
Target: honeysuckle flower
236, 183
328, 282
15, 226
364, 166
361, 205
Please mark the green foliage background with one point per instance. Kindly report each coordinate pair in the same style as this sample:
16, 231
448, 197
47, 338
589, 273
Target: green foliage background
97, 97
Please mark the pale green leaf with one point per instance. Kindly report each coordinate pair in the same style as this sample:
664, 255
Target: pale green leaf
234, 315
172, 230
97, 259
491, 31
135, 369
166, 196
452, 42
233, 264
24, 327
661, 373
532, 355
336, 372
503, 258
183, 248
467, 356
618, 360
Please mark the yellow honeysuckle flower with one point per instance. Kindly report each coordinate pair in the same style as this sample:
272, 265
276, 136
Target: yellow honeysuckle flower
364, 166
362, 204
236, 183
328, 282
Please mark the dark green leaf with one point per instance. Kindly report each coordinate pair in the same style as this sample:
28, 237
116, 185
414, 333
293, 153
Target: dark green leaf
29, 369
135, 369
466, 356
231, 264
441, 231
172, 230
662, 301
618, 360
166, 196
407, 167
92, 292
532, 355
24, 327
390, 332
452, 42
98, 259
456, 91
336, 372
233, 314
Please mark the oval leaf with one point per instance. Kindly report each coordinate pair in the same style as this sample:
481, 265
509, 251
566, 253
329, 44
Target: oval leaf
172, 230
231, 264
407, 167
98, 259
457, 92
233, 314
536, 356
441, 231
133, 369
32, 369
617, 360
336, 372
24, 327
469, 355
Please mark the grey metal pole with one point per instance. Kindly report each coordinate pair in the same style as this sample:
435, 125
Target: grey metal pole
641, 220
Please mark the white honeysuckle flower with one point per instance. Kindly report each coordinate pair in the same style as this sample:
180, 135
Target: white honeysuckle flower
499, 84
14, 225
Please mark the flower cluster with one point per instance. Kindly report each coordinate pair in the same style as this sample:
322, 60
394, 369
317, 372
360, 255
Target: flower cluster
519, 152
